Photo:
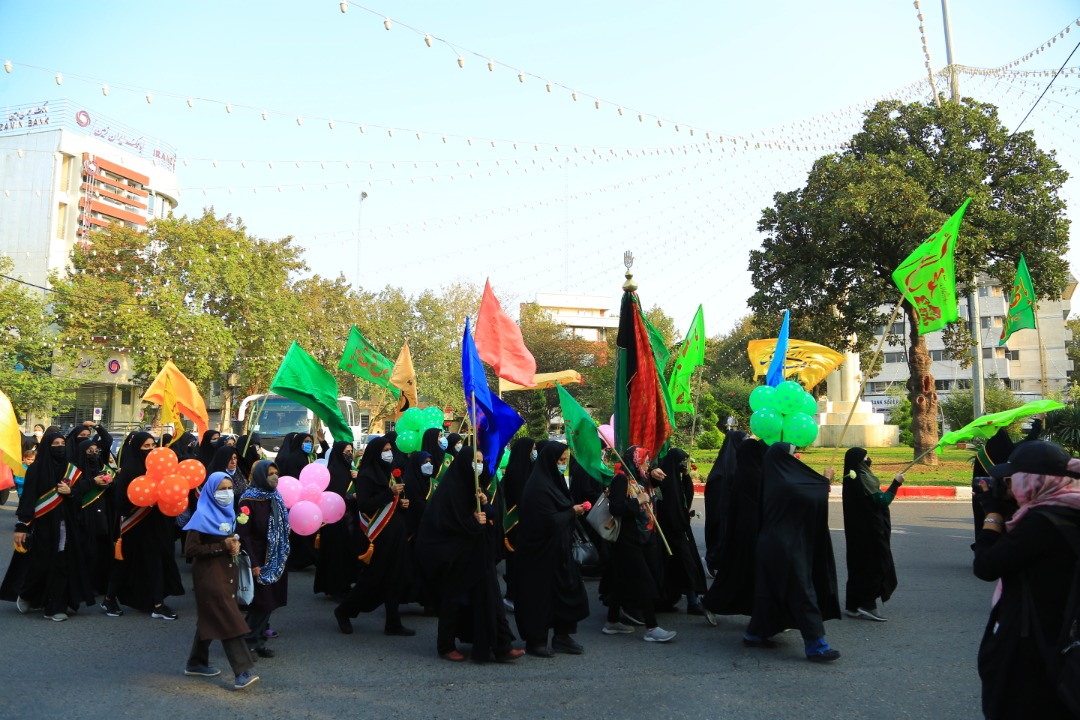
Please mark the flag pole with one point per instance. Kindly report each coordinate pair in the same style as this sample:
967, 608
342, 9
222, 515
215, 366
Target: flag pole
693, 419
476, 449
648, 506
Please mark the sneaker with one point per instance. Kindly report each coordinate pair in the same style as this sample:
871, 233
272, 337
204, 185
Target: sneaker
616, 628
270, 633
824, 657
660, 635
758, 642
58, 617
163, 612
508, 604
343, 622
21, 605
871, 614
701, 611
202, 671
566, 644
627, 617
245, 679
111, 607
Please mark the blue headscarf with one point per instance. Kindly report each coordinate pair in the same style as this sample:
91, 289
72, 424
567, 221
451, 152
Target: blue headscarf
277, 530
209, 517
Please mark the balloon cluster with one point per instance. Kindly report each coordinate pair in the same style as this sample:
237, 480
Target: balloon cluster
607, 432
309, 504
784, 413
414, 421
166, 482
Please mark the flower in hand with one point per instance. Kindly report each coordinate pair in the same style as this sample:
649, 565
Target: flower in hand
242, 518
396, 473
587, 506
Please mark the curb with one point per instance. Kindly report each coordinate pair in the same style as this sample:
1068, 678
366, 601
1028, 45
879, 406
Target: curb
912, 492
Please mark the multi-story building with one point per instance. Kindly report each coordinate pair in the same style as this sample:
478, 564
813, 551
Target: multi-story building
64, 170
588, 316
1033, 363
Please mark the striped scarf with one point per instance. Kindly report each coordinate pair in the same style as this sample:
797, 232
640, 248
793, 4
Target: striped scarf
277, 535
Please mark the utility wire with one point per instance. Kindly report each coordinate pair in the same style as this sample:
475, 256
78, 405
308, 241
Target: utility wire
1047, 88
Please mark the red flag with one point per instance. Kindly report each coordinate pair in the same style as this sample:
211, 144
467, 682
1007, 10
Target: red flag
499, 342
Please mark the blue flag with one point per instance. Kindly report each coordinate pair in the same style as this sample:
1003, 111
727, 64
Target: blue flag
496, 422
775, 375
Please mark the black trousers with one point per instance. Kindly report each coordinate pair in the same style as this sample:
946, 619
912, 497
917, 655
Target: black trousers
257, 621
236, 651
56, 586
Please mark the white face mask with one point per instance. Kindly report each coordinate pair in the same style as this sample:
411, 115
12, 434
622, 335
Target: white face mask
561, 468
427, 468
223, 497
479, 466
532, 456
457, 448
387, 456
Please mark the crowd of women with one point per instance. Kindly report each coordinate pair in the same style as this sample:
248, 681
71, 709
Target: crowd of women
433, 526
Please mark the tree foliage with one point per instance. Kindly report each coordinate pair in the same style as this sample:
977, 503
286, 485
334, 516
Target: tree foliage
958, 408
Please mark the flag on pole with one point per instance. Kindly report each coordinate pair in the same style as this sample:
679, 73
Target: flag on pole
362, 359
691, 356
10, 437
806, 361
1021, 312
775, 374
583, 438
170, 410
189, 402
642, 406
403, 377
500, 344
927, 278
302, 379
495, 421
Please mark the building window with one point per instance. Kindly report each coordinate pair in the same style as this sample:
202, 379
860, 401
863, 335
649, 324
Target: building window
943, 384
61, 220
997, 353
938, 355
65, 174
962, 384
995, 321
1012, 354
896, 329
895, 357
125, 396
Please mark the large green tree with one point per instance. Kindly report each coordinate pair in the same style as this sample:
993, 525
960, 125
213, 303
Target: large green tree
832, 245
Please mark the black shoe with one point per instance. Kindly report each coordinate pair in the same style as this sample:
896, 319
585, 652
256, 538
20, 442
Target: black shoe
824, 657
567, 644
264, 652
343, 622
756, 643
542, 651
111, 607
163, 612
400, 631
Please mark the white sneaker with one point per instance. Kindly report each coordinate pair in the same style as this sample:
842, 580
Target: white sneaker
874, 615
659, 634
58, 617
21, 605
508, 604
616, 628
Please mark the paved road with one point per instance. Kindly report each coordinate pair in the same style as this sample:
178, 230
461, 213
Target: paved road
921, 664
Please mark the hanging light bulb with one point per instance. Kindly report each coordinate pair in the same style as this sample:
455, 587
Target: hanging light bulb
149, 97
343, 5
190, 103
491, 66
331, 124
228, 108
640, 118
299, 120
59, 78
548, 87
361, 127
7, 66
427, 40
386, 23
105, 90
597, 103
521, 77
265, 115
460, 61
620, 110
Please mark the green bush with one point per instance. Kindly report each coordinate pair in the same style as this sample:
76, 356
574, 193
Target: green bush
710, 439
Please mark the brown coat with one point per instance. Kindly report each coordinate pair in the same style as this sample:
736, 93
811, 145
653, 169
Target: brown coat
253, 541
213, 573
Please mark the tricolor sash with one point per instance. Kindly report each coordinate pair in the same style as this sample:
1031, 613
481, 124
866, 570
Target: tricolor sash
510, 520
47, 503
133, 519
72, 474
95, 492
374, 524
434, 482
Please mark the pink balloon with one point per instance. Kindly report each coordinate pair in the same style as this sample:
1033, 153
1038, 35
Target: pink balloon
309, 493
305, 518
607, 434
332, 506
289, 488
315, 475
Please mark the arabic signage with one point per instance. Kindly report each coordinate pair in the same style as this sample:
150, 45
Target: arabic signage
114, 369
60, 114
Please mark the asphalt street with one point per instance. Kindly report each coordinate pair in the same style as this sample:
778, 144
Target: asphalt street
920, 664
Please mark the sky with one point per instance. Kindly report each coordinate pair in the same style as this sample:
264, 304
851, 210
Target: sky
533, 189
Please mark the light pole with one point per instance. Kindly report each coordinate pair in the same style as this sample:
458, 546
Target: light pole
359, 229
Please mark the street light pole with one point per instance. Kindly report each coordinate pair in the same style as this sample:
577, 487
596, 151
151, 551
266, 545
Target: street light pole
359, 230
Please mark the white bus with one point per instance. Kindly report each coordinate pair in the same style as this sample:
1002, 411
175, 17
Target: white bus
274, 417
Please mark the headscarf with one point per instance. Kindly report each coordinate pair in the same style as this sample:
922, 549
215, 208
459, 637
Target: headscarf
1031, 490
291, 459
429, 443
71, 442
451, 442
372, 466
340, 468
221, 459
417, 488
166, 439
400, 458
210, 517
247, 448
132, 456
207, 448
856, 467
186, 447
518, 469
676, 490
43, 475
635, 463
277, 530
90, 466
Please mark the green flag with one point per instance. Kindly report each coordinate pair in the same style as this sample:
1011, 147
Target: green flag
1021, 312
927, 278
363, 360
582, 437
302, 379
691, 355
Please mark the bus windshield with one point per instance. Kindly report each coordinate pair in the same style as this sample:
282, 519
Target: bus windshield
280, 416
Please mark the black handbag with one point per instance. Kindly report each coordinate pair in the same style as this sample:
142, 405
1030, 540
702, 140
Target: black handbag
582, 549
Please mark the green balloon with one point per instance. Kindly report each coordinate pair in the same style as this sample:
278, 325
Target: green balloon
800, 429
772, 439
762, 397
433, 417
789, 397
408, 441
411, 419
809, 404
766, 423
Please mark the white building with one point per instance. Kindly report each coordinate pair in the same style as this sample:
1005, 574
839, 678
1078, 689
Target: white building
589, 317
1033, 363
65, 169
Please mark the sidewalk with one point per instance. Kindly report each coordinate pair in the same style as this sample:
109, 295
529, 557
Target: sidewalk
906, 492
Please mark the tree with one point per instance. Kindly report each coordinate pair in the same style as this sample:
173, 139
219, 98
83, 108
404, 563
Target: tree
725, 355
831, 246
26, 351
958, 409
900, 414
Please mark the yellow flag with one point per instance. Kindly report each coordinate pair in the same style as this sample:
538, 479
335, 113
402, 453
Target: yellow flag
10, 437
807, 361
543, 380
186, 397
170, 413
404, 378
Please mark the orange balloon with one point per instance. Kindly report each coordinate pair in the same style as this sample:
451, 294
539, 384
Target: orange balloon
172, 490
174, 508
161, 462
193, 473
142, 491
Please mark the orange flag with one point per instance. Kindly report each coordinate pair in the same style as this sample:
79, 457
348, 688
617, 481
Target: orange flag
499, 342
188, 400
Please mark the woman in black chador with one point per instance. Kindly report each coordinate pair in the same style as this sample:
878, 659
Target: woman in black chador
718, 499
549, 592
796, 572
384, 572
867, 530
683, 573
518, 468
336, 568
732, 589
457, 551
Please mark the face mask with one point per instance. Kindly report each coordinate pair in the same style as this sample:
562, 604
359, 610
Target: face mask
427, 468
223, 497
307, 447
230, 473
58, 452
479, 467
562, 469
387, 456
38, 434
442, 443
457, 448
271, 481
532, 456
347, 456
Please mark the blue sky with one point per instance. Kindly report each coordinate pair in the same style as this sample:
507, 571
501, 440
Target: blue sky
533, 220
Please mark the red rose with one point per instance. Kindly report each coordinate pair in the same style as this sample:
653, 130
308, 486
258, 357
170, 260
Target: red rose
396, 473
586, 506
245, 510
